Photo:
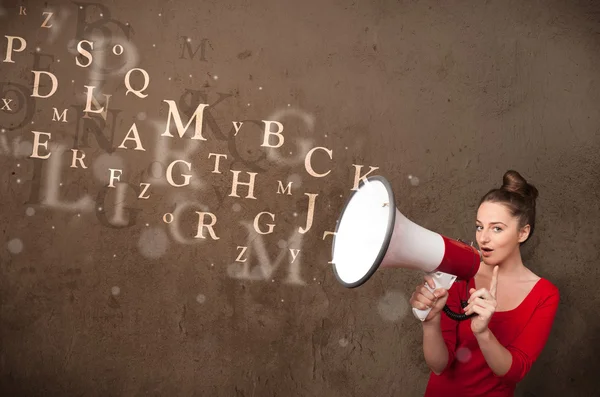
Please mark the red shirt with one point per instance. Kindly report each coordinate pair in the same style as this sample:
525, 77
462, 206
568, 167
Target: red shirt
523, 331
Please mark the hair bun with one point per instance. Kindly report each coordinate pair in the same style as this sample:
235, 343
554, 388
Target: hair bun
515, 183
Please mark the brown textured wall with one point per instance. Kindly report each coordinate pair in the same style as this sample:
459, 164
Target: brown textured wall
442, 96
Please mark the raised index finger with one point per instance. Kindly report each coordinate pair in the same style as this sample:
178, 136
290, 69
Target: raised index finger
494, 283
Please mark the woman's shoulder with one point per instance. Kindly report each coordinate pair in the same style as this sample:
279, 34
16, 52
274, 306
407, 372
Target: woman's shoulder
547, 291
544, 283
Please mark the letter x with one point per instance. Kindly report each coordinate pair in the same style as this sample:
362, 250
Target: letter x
6, 102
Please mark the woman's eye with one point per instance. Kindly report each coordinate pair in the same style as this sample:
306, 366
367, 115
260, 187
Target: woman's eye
495, 228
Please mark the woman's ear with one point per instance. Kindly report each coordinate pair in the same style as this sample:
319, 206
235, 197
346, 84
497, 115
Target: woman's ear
524, 233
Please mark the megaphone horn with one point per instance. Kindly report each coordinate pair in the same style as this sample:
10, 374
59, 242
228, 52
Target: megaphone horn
372, 233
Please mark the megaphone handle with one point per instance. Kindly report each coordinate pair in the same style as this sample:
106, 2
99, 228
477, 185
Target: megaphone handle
441, 280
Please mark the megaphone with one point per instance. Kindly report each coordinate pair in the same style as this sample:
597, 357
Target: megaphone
371, 233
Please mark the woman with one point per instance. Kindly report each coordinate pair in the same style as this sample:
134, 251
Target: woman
488, 354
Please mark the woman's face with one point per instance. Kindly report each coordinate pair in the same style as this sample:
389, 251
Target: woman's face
498, 234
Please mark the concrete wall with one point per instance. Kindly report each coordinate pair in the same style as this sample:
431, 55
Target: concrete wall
101, 297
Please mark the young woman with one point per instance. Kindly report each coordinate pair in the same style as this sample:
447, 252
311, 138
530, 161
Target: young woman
488, 354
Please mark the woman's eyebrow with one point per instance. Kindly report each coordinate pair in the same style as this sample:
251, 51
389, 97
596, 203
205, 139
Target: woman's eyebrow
492, 223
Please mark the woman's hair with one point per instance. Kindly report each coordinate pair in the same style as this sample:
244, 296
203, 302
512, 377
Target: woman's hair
518, 196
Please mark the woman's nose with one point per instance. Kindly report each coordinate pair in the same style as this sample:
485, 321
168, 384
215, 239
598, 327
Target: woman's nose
485, 236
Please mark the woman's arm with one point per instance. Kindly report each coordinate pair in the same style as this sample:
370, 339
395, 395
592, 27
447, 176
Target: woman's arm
497, 356
439, 336
434, 346
514, 362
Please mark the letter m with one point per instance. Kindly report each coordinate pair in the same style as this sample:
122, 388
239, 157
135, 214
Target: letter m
62, 117
187, 46
181, 129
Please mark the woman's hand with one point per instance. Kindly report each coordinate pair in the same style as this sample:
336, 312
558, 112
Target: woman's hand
483, 302
423, 298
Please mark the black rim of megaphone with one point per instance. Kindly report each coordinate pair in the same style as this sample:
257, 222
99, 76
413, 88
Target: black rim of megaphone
388, 235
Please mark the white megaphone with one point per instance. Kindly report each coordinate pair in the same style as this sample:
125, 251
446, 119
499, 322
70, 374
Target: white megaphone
372, 233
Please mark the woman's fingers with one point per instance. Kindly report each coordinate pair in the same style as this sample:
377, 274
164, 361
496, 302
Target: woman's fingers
425, 297
429, 281
480, 293
422, 289
482, 311
494, 283
480, 303
422, 299
420, 305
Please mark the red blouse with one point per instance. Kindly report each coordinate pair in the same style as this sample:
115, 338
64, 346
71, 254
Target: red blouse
523, 331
